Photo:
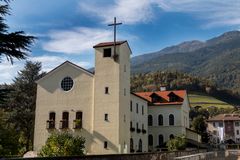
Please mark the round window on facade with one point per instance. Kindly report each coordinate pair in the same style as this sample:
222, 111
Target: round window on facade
67, 83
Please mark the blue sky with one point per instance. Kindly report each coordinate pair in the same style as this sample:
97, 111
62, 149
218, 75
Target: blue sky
67, 29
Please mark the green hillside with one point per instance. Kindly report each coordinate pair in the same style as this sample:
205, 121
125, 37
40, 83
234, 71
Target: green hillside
217, 60
204, 100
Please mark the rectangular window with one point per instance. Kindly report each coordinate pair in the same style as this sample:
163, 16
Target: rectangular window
105, 144
220, 124
106, 117
64, 121
142, 110
137, 107
51, 121
237, 132
124, 92
106, 90
131, 106
214, 125
107, 52
236, 124
78, 121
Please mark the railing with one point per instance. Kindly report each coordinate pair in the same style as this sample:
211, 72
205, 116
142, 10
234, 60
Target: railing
144, 131
50, 124
138, 130
132, 129
233, 146
63, 124
77, 124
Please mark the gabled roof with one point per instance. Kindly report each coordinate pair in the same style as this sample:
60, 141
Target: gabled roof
225, 117
138, 96
164, 95
64, 63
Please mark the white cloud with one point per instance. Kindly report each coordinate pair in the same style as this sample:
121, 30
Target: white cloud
215, 12
50, 62
126, 11
9, 71
75, 41
80, 40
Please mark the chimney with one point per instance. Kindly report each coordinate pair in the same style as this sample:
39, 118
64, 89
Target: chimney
163, 88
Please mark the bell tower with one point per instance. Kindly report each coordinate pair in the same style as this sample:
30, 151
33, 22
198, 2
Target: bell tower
111, 123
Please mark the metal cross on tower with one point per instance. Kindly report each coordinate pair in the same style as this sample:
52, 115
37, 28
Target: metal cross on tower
114, 24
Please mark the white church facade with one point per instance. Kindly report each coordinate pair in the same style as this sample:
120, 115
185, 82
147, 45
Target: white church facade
100, 107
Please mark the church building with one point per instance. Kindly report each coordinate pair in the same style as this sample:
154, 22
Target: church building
94, 105
100, 106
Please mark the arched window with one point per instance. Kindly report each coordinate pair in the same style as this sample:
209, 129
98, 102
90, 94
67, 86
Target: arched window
160, 140
131, 145
51, 120
150, 140
160, 120
64, 121
140, 145
171, 136
150, 120
171, 120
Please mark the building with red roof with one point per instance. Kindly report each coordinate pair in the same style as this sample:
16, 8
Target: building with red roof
224, 127
168, 116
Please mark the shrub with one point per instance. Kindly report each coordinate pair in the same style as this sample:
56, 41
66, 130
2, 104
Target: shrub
177, 143
63, 144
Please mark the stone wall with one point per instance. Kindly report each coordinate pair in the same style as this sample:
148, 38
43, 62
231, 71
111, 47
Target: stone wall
137, 156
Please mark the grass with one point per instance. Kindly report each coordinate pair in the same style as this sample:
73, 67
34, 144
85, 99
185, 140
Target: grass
204, 100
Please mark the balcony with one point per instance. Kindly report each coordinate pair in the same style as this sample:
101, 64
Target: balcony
77, 124
144, 131
132, 129
50, 124
64, 124
138, 130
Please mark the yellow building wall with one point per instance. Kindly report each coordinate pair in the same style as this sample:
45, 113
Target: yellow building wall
111, 74
51, 98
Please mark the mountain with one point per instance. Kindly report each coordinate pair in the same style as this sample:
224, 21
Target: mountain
217, 59
180, 48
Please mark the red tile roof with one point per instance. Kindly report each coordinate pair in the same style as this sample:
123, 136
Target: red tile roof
225, 117
105, 44
164, 95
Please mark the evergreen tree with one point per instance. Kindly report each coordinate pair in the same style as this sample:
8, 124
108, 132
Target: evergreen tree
22, 102
8, 137
13, 44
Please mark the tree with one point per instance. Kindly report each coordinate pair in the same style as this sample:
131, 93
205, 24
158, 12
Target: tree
63, 144
200, 126
13, 44
177, 143
8, 137
21, 104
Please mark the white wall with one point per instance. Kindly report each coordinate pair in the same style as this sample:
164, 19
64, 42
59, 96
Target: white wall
166, 130
140, 118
